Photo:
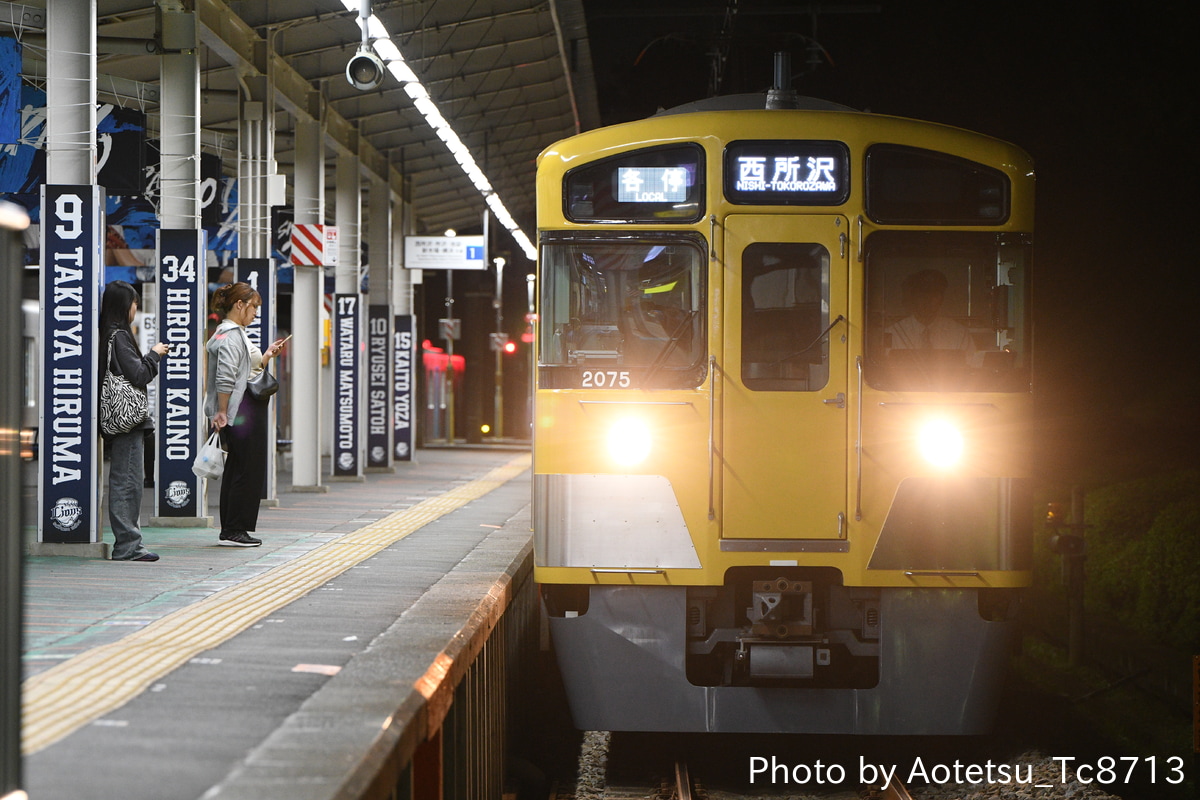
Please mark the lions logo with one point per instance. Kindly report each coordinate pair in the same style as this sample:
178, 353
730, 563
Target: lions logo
346, 461
177, 494
66, 514
401, 449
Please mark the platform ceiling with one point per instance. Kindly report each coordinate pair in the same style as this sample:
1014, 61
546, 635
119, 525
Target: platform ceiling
511, 77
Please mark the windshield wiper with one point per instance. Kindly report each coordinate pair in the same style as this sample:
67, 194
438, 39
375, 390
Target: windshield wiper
814, 343
667, 348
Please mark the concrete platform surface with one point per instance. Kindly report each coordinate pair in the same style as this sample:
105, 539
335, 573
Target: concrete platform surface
162, 680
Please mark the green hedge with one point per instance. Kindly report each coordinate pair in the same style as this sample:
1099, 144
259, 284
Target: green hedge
1143, 557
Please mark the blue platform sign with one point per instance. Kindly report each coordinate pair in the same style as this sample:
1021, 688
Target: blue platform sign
403, 337
346, 430
182, 292
72, 241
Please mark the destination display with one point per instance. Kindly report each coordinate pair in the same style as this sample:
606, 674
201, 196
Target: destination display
652, 184
663, 184
787, 173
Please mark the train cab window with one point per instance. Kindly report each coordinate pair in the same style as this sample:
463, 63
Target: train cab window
947, 311
622, 314
785, 313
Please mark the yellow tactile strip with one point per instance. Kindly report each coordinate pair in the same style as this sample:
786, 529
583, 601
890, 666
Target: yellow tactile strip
60, 700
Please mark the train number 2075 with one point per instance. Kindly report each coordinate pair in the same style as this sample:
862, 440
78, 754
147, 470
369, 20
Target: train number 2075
606, 379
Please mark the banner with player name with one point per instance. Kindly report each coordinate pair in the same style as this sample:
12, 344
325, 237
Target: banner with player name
259, 273
180, 425
378, 385
72, 239
403, 339
346, 386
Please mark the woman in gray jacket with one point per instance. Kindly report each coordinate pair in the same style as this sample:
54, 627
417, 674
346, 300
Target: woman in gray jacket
242, 420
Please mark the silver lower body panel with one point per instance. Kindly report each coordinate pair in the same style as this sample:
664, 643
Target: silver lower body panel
941, 671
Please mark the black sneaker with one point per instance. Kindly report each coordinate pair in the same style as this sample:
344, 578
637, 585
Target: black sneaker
239, 539
146, 556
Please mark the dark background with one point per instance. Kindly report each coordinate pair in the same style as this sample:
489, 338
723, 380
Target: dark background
1101, 98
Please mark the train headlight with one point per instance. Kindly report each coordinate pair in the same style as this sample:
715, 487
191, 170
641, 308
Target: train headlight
941, 443
629, 442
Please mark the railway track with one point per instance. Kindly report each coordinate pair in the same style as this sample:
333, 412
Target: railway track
894, 791
677, 783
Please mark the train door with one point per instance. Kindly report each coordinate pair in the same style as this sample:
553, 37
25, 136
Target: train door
784, 387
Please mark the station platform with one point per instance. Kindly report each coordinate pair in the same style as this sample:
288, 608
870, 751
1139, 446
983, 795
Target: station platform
227, 672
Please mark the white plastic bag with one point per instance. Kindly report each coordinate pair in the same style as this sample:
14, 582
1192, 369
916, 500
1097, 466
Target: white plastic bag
210, 461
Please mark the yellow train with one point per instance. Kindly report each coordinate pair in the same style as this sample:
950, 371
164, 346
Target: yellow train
780, 419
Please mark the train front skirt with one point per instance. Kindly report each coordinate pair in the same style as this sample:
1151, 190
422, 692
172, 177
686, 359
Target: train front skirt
941, 671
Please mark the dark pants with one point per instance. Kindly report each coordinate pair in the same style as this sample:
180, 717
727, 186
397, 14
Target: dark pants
125, 453
245, 467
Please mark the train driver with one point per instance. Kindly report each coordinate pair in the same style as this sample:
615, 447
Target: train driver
925, 328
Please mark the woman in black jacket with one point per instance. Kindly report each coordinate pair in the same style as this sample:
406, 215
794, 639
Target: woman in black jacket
125, 473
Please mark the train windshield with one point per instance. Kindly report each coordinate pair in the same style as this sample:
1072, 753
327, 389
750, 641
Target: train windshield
947, 311
622, 314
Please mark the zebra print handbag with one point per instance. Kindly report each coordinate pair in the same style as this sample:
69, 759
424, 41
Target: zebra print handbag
122, 405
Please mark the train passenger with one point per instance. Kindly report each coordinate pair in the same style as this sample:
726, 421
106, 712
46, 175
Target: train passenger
238, 415
126, 473
925, 328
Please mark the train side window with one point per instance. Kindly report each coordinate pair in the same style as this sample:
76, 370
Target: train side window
912, 186
947, 311
785, 309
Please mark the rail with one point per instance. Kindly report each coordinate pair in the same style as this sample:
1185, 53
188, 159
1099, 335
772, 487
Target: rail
683, 781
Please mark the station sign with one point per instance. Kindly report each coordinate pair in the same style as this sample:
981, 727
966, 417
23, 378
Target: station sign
444, 252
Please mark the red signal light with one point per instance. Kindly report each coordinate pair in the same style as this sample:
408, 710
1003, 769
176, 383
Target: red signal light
510, 347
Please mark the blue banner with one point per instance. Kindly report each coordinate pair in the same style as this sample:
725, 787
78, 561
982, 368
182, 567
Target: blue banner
403, 338
71, 245
182, 291
259, 273
346, 313
10, 90
120, 146
378, 384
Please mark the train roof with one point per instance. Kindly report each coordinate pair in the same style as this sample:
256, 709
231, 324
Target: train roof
750, 102
718, 116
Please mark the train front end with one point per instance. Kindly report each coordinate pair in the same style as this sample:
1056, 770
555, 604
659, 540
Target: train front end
780, 420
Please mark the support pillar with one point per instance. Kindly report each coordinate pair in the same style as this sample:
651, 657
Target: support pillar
11, 522
405, 367
256, 172
180, 497
69, 520
308, 290
347, 327
379, 329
